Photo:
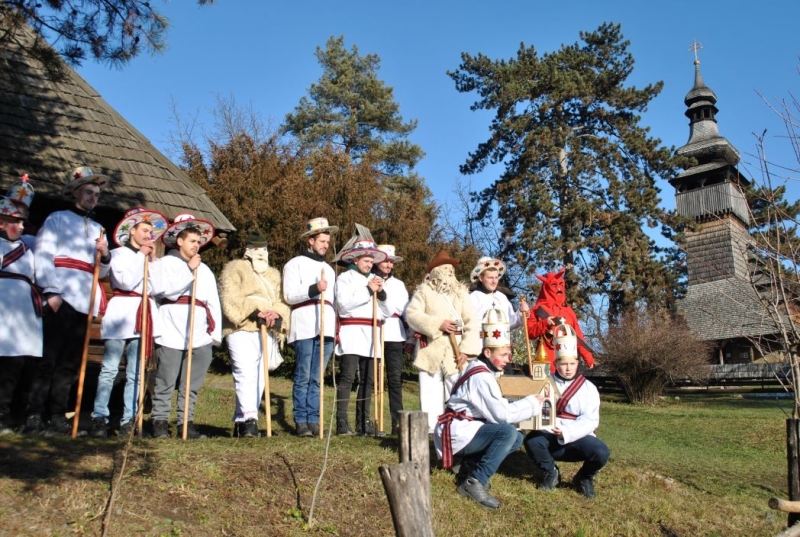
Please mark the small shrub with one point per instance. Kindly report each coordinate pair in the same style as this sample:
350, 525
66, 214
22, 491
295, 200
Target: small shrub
647, 350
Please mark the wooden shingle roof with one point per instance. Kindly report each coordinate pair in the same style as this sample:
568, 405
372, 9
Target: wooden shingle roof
49, 128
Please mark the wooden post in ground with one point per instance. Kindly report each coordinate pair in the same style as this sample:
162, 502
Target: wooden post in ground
793, 460
408, 484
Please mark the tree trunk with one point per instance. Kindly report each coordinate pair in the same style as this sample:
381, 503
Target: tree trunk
793, 460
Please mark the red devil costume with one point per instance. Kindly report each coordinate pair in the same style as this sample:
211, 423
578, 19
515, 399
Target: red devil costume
552, 302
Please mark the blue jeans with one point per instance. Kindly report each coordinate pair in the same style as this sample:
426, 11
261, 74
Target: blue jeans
305, 393
544, 448
112, 354
489, 448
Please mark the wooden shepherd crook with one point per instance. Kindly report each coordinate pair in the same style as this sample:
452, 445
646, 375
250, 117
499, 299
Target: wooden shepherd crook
527, 337
188, 383
321, 352
265, 359
143, 347
86, 338
381, 383
374, 359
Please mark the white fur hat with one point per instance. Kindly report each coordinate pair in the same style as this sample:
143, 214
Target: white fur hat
495, 329
487, 263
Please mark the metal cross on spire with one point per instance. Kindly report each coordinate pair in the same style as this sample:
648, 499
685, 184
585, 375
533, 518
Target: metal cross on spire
694, 48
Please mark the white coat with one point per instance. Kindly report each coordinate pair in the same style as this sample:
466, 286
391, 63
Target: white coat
127, 274
299, 274
21, 329
396, 302
585, 404
174, 280
480, 397
497, 300
354, 300
66, 234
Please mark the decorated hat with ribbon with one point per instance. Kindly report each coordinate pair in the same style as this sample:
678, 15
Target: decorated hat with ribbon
495, 330
389, 250
565, 342
181, 222
135, 216
18, 200
487, 263
363, 248
317, 226
80, 176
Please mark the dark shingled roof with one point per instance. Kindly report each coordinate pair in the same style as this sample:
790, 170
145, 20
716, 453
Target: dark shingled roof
49, 128
725, 309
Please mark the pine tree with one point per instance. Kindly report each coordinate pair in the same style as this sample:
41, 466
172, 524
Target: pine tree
580, 173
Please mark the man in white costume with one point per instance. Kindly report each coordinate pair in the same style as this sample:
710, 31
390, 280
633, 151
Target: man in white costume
121, 324
478, 425
305, 278
486, 278
20, 299
443, 317
358, 340
175, 281
65, 252
394, 329
251, 295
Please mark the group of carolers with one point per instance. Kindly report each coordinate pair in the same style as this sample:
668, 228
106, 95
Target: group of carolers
45, 285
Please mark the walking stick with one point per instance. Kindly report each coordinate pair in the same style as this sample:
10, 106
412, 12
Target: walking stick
381, 381
265, 359
143, 346
374, 357
456, 352
188, 383
527, 337
86, 338
321, 351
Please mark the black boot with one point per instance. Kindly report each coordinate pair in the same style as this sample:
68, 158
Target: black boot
246, 429
343, 428
99, 428
160, 429
191, 431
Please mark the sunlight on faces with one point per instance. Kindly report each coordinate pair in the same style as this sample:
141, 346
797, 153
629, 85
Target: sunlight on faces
490, 278
499, 356
567, 367
13, 227
386, 266
364, 263
86, 196
188, 244
141, 234
320, 243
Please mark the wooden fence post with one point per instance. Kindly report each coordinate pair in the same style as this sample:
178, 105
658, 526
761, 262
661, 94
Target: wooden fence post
408, 485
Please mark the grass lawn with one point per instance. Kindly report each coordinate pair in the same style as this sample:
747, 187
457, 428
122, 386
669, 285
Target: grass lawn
698, 466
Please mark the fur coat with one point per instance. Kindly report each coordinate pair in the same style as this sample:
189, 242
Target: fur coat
426, 312
243, 292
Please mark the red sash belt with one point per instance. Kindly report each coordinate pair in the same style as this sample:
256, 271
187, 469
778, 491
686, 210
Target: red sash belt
568, 394
149, 348
309, 303
449, 415
360, 321
187, 300
77, 264
36, 292
14, 255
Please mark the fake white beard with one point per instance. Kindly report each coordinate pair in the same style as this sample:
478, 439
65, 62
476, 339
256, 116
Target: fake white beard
443, 280
259, 258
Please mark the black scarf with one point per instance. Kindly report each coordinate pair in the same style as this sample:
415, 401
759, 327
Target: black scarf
313, 255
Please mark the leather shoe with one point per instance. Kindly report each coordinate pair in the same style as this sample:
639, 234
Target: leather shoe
303, 430
585, 485
472, 488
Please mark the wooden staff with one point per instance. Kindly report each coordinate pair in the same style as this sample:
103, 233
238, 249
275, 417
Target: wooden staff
456, 352
381, 381
321, 352
86, 338
375, 341
143, 346
265, 359
527, 337
188, 383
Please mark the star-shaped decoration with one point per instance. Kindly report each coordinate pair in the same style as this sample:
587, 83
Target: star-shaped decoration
158, 225
124, 228
6, 210
206, 231
77, 175
171, 233
146, 218
496, 334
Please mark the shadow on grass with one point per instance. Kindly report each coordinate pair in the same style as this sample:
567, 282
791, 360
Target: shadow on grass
39, 460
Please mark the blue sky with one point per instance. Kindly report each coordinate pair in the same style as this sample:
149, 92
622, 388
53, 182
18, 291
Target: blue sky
262, 54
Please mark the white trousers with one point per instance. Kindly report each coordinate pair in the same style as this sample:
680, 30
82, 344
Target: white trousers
248, 370
434, 391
